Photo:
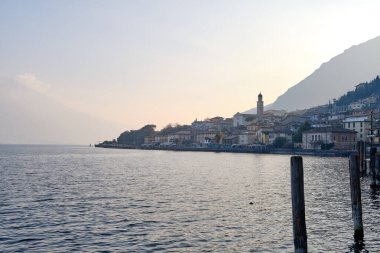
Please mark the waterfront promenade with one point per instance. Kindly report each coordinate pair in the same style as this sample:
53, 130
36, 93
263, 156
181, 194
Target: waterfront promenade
234, 149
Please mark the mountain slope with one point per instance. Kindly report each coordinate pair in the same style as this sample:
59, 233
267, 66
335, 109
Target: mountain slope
355, 65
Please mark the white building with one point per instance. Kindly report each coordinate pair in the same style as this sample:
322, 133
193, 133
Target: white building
361, 125
241, 119
179, 137
205, 137
247, 138
342, 139
356, 106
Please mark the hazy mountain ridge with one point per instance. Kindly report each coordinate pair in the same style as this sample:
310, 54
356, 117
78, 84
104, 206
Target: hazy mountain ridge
28, 117
333, 78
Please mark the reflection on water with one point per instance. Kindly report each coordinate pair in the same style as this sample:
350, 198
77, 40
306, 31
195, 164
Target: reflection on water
358, 247
85, 199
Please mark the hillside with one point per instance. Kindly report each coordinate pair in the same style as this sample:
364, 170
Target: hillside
362, 91
332, 79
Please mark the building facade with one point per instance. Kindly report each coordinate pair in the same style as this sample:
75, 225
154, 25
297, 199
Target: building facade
342, 139
361, 125
179, 137
205, 137
242, 119
247, 138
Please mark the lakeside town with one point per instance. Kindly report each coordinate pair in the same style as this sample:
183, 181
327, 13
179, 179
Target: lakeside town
336, 126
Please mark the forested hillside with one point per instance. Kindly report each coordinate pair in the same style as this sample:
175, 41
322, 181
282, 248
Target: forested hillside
362, 91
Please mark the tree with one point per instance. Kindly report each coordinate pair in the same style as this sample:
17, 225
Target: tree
218, 137
362, 91
173, 128
136, 137
298, 136
280, 142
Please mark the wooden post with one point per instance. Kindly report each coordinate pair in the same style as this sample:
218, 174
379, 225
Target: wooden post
372, 166
360, 152
377, 171
364, 169
298, 205
356, 201
362, 158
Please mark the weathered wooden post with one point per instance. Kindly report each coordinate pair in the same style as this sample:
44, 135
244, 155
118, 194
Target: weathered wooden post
356, 201
298, 205
364, 161
377, 171
372, 167
360, 152
362, 158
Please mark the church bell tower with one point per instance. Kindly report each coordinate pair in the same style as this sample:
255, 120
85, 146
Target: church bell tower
260, 105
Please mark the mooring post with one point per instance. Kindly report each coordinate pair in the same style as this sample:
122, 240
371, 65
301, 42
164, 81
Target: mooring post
356, 201
377, 171
298, 205
364, 172
372, 167
360, 152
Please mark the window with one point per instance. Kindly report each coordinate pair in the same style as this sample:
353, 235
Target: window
361, 130
312, 137
334, 137
353, 124
361, 124
361, 136
348, 125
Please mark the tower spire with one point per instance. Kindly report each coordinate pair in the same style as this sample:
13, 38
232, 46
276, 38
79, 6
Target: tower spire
260, 105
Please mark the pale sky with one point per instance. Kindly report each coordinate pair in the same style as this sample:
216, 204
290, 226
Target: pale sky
165, 61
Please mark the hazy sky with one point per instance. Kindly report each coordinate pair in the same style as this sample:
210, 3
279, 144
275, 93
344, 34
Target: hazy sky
138, 62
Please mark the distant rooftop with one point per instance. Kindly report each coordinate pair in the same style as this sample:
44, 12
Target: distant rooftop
329, 129
356, 119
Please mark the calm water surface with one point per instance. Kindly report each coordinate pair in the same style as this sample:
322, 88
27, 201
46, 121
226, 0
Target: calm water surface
60, 199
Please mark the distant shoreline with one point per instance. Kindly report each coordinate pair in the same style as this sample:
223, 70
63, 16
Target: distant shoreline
321, 153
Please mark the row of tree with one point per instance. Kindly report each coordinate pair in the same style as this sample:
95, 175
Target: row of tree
364, 90
136, 137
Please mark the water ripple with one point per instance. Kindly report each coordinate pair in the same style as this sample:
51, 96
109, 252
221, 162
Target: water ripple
62, 199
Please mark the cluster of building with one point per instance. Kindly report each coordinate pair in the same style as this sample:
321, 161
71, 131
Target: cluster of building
332, 127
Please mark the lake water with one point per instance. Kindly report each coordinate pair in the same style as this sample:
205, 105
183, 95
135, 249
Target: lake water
61, 199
